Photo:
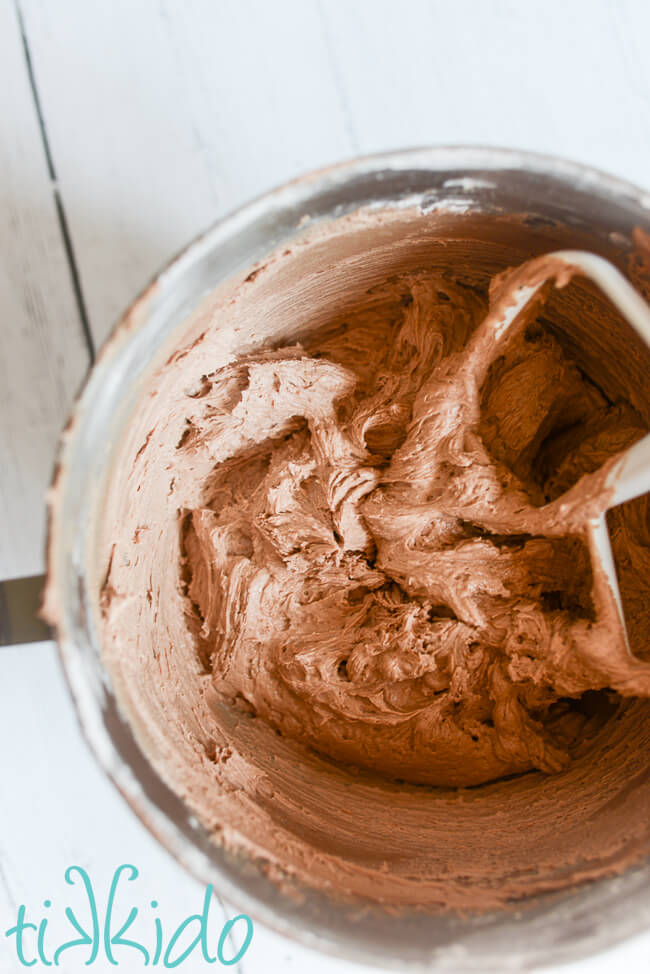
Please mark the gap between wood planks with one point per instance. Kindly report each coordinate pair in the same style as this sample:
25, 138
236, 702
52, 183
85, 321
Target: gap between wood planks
58, 202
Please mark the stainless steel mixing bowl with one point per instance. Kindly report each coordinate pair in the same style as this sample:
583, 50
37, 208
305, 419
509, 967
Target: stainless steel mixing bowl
599, 209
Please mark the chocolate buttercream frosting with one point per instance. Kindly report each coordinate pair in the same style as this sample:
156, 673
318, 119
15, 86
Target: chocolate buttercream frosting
348, 599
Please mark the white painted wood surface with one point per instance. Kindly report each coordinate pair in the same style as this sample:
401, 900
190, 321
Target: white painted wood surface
160, 116
43, 354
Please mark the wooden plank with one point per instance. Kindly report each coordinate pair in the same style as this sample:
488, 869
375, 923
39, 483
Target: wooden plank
43, 353
163, 116
61, 810
569, 79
